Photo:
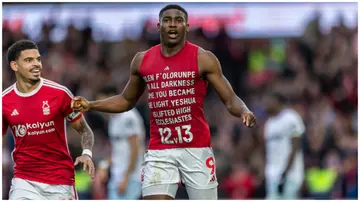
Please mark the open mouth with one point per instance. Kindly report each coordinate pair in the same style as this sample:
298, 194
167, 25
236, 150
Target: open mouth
35, 72
172, 34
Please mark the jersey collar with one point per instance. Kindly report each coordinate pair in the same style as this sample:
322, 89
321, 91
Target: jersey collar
29, 93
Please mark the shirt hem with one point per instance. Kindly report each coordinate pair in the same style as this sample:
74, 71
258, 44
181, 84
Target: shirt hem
43, 181
177, 147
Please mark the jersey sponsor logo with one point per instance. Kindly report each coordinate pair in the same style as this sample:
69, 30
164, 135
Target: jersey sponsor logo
46, 108
15, 113
167, 68
37, 128
20, 130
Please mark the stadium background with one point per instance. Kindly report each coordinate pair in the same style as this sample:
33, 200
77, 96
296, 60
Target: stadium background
308, 51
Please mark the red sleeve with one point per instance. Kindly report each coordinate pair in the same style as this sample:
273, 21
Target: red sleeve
66, 110
4, 125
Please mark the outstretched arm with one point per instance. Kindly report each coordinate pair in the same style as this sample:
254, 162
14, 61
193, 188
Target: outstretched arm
119, 103
210, 67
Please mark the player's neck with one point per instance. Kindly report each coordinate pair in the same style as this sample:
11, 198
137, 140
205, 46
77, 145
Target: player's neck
276, 112
171, 51
26, 86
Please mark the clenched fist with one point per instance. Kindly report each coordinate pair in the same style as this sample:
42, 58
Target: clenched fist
80, 104
248, 119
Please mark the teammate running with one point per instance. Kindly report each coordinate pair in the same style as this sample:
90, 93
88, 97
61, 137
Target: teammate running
176, 73
35, 109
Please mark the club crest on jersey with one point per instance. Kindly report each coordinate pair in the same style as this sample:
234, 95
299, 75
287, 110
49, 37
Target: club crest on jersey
46, 108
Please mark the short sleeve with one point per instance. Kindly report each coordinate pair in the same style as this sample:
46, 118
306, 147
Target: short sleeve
297, 127
66, 109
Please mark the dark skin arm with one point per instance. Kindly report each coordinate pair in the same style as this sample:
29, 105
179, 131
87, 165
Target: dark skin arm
119, 103
210, 68
87, 142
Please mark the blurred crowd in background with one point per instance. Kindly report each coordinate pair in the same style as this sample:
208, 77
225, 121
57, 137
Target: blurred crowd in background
317, 72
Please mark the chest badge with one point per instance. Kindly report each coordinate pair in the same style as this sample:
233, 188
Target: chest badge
46, 108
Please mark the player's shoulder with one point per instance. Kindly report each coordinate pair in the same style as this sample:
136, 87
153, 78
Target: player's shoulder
137, 61
206, 56
290, 114
7, 92
154, 48
141, 57
204, 53
55, 87
141, 54
293, 120
270, 121
150, 51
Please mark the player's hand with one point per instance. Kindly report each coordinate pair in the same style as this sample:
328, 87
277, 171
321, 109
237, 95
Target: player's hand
248, 119
123, 185
80, 104
86, 160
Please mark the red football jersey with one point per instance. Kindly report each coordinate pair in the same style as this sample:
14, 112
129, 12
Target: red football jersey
38, 123
176, 95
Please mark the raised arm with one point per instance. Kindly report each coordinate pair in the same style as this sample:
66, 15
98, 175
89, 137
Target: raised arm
119, 103
210, 67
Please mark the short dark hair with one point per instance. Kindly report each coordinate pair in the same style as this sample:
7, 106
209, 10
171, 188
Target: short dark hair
15, 49
173, 6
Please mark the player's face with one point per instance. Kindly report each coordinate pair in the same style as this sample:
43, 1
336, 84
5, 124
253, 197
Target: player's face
28, 65
173, 27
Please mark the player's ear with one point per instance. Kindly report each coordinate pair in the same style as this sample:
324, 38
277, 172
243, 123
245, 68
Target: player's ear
187, 27
158, 26
14, 66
